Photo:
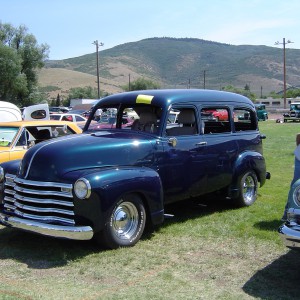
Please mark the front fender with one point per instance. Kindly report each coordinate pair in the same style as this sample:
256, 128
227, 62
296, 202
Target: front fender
11, 166
109, 185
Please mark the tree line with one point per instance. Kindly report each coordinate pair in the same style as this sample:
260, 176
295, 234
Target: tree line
20, 58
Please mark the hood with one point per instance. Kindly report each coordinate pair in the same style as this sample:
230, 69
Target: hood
50, 160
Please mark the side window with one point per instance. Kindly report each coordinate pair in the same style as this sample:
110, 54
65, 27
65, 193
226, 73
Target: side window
22, 141
215, 119
182, 121
244, 119
60, 131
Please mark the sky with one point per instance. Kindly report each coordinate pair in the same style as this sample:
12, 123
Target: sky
70, 27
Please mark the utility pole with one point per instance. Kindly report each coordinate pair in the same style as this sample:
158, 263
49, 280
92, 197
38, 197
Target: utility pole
97, 53
284, 68
129, 83
204, 79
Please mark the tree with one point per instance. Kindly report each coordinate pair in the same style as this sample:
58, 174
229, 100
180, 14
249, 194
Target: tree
142, 84
83, 93
58, 100
245, 92
20, 51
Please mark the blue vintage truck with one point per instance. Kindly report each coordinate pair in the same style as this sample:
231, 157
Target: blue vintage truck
107, 184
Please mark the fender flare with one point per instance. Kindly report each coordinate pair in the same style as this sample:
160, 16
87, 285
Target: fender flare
110, 184
246, 161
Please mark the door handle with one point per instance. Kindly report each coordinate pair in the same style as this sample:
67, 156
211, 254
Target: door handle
201, 144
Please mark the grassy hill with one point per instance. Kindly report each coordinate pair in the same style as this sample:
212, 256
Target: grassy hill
176, 63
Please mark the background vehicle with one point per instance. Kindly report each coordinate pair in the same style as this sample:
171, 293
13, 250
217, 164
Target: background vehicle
293, 114
262, 114
9, 112
68, 117
17, 137
218, 114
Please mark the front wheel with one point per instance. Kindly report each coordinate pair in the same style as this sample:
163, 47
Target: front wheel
248, 186
125, 224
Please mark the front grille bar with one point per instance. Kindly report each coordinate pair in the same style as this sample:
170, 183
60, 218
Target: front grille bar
49, 202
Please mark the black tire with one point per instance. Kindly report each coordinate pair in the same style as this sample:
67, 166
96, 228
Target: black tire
248, 186
125, 225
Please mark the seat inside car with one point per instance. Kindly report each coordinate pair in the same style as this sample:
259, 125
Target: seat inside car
187, 124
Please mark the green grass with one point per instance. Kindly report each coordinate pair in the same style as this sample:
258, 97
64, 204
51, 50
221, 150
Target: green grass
208, 250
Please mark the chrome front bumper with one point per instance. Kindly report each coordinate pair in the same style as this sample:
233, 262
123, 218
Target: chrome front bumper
57, 231
290, 234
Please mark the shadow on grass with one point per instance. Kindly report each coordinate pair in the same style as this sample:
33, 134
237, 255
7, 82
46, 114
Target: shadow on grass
41, 252
268, 225
279, 280
196, 207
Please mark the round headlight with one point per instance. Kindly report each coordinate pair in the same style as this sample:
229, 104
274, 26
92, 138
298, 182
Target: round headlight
1, 174
82, 188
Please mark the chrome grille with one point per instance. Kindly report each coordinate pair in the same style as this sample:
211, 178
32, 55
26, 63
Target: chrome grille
48, 202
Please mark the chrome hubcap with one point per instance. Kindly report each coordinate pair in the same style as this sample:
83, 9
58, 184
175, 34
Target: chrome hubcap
249, 189
125, 220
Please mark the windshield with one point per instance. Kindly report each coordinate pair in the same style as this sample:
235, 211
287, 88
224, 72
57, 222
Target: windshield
295, 106
7, 135
139, 117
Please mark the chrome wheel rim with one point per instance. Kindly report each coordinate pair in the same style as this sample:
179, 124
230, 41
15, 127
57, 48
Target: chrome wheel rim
125, 219
249, 189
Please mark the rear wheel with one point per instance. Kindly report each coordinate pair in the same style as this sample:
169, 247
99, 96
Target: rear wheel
248, 186
125, 225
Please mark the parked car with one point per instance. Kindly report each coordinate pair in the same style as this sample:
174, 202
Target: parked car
68, 117
17, 137
58, 109
108, 184
218, 114
262, 114
289, 231
9, 112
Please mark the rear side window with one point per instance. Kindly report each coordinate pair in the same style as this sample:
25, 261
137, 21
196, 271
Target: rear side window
244, 119
215, 119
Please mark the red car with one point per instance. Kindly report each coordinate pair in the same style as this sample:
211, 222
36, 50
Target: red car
218, 114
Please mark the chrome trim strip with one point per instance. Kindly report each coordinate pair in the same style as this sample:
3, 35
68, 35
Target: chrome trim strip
58, 231
290, 235
44, 210
41, 192
41, 201
44, 218
44, 183
9, 206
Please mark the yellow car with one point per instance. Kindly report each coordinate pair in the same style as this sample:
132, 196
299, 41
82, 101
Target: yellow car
17, 137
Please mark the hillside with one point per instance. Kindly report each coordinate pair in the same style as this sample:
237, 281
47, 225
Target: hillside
176, 63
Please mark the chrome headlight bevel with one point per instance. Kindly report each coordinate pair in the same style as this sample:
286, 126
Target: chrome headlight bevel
82, 188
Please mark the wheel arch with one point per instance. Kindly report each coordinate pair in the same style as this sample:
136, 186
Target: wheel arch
247, 161
111, 184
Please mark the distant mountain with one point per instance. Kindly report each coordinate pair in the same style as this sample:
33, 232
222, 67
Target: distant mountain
177, 63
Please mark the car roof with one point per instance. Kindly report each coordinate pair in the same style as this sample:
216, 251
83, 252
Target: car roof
164, 98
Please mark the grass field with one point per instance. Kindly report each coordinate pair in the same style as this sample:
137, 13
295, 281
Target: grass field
208, 250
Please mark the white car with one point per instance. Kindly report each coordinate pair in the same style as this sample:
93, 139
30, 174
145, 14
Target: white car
68, 117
